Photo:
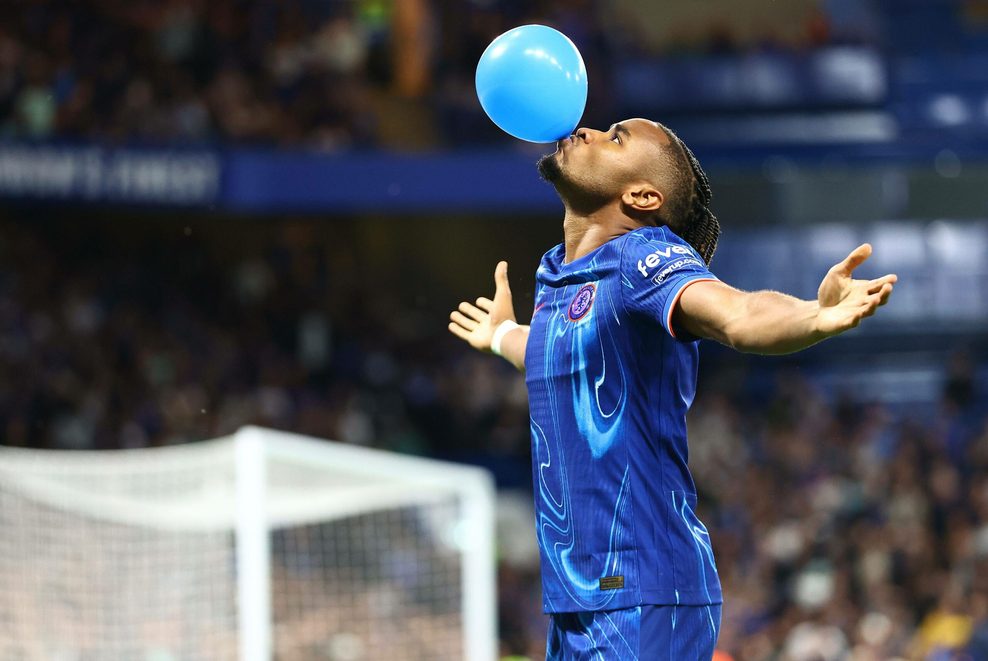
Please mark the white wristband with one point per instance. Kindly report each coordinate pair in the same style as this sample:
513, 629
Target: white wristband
502, 329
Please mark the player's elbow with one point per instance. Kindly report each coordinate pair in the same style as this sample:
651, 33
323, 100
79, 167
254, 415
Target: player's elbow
735, 334
731, 325
743, 336
746, 325
765, 343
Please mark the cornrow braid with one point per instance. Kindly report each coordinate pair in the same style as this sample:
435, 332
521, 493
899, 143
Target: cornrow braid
699, 227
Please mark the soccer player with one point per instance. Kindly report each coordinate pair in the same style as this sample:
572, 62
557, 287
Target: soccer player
610, 360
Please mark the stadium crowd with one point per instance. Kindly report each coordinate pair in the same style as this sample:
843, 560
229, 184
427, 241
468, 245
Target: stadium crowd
844, 530
323, 75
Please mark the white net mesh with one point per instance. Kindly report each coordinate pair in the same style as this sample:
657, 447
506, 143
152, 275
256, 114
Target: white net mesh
83, 578
133, 555
374, 586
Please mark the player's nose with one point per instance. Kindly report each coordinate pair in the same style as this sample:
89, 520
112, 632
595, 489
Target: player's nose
587, 135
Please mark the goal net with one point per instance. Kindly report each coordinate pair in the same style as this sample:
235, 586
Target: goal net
263, 545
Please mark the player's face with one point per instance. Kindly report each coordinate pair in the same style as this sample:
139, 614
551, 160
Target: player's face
601, 164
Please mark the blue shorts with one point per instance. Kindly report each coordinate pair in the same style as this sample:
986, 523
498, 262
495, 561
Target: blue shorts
645, 633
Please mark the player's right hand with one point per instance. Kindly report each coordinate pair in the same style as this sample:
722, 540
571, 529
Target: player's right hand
476, 323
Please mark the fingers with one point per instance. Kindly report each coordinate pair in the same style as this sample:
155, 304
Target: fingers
876, 300
879, 290
851, 311
459, 332
472, 311
854, 260
459, 318
884, 293
485, 304
874, 286
879, 296
501, 286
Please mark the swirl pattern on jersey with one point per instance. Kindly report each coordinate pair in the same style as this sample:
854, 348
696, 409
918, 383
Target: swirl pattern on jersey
598, 399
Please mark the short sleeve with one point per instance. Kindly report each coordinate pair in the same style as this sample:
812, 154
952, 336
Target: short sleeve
655, 272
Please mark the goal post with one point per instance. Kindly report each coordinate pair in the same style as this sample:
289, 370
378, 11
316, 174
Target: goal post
253, 542
262, 545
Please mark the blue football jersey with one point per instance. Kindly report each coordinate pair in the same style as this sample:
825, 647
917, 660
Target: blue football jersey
609, 385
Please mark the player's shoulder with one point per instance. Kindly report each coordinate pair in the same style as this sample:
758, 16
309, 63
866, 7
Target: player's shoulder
659, 241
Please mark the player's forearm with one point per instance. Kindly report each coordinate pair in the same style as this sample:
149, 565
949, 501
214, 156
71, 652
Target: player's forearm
513, 346
769, 322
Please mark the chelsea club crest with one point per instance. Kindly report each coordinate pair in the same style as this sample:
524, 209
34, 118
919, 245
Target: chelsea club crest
582, 302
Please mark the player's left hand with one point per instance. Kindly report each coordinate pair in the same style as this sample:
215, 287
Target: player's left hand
844, 301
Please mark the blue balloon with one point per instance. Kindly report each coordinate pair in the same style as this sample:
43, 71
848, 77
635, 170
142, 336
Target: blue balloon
532, 83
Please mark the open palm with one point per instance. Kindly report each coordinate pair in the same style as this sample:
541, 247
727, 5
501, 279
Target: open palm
844, 301
476, 323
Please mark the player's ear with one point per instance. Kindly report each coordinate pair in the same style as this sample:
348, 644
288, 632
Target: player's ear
642, 197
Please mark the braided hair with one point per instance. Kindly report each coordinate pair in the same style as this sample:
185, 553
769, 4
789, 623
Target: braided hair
690, 216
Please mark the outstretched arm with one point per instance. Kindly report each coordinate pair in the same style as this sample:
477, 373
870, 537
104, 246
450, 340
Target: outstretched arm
768, 322
490, 324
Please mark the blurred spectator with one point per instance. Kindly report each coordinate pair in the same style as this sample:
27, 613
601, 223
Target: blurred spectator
948, 628
331, 75
186, 70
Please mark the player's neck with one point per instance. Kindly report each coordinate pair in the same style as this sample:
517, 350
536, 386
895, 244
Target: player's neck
584, 233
